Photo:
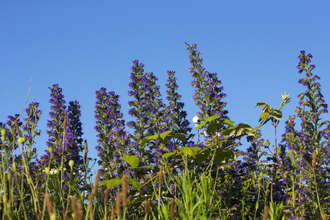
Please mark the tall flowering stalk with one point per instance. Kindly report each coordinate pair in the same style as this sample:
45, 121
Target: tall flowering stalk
175, 116
306, 165
148, 110
65, 144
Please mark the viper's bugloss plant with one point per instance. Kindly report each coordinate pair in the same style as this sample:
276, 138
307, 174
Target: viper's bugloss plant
154, 170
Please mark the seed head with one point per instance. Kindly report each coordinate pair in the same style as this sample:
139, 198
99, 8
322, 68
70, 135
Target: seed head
147, 206
118, 202
314, 160
160, 179
172, 207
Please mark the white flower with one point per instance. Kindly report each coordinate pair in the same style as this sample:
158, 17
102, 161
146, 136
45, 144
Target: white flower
53, 171
79, 171
84, 193
205, 134
217, 134
195, 119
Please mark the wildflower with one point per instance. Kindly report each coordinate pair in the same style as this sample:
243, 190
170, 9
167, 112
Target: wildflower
53, 171
195, 119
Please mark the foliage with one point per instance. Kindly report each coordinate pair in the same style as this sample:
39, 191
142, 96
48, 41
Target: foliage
159, 171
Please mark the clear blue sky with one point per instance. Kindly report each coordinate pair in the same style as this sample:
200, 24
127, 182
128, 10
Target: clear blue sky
86, 45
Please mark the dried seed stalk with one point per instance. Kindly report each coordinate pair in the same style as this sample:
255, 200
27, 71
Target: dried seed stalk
266, 213
118, 202
172, 207
147, 206
124, 183
314, 160
49, 204
160, 179
106, 196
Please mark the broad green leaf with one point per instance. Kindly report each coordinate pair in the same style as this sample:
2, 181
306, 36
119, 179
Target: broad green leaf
166, 134
152, 137
201, 125
264, 115
202, 156
212, 128
136, 184
191, 151
222, 157
110, 183
180, 136
166, 155
133, 160
228, 122
212, 118
143, 167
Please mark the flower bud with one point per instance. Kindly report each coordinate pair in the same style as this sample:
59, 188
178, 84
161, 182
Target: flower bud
21, 140
3, 132
274, 148
14, 166
50, 149
71, 163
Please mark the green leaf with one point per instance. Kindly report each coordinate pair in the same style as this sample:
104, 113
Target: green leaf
136, 184
264, 115
143, 167
152, 137
166, 134
202, 156
180, 136
222, 157
133, 160
201, 125
110, 183
212, 118
212, 128
166, 155
228, 122
191, 151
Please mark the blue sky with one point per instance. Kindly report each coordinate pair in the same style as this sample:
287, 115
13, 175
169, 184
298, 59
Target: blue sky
86, 45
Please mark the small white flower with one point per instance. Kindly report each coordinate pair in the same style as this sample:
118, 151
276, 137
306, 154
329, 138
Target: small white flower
195, 119
79, 171
106, 169
205, 134
53, 171
82, 177
217, 134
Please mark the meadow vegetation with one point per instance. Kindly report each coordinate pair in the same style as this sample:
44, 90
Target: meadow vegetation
159, 171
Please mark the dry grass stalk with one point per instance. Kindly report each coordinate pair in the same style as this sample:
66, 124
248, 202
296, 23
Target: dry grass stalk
124, 183
324, 216
172, 207
266, 213
53, 216
17, 128
112, 214
314, 160
74, 207
79, 211
147, 206
106, 196
49, 204
63, 214
90, 205
96, 184
118, 202
160, 179
65, 119
86, 148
